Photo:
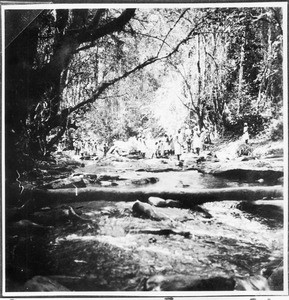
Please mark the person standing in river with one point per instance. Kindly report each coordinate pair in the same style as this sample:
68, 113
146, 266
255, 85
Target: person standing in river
179, 144
197, 141
245, 133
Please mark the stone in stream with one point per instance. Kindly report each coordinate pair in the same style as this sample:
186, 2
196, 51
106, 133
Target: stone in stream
105, 177
141, 209
107, 183
43, 284
147, 180
160, 202
157, 201
69, 182
173, 203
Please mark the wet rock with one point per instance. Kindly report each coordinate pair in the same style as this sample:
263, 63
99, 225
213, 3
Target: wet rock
70, 182
202, 211
107, 183
161, 231
157, 201
43, 284
156, 170
252, 283
141, 209
247, 158
200, 159
160, 202
261, 180
106, 177
86, 176
143, 181
188, 283
173, 203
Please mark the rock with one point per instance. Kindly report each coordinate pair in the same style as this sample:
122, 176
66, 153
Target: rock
147, 180
146, 210
261, 180
173, 203
107, 183
200, 159
70, 182
247, 158
188, 283
252, 283
105, 177
43, 284
157, 201
202, 211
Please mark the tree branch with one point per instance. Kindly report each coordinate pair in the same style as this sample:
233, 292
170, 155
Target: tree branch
115, 25
106, 84
186, 83
171, 29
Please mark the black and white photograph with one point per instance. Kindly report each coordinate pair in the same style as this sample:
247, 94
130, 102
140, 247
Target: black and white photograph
145, 150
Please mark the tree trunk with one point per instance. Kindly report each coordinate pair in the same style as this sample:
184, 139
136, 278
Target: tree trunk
187, 197
241, 75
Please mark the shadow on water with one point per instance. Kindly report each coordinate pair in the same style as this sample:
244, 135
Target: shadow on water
268, 214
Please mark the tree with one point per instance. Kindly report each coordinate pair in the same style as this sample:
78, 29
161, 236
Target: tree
41, 63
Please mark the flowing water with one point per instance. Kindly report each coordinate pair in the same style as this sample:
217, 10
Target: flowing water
114, 253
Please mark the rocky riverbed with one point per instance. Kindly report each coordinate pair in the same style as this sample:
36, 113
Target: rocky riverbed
104, 245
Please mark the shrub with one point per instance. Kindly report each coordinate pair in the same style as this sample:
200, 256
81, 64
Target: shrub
276, 130
244, 150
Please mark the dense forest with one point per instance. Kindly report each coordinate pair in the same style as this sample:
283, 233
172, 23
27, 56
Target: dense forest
101, 72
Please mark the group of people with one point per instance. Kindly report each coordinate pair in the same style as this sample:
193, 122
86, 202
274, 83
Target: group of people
187, 140
191, 140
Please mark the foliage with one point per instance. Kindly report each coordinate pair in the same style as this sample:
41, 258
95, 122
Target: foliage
98, 72
276, 129
244, 150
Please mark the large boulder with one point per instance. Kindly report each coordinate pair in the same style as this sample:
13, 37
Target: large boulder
141, 209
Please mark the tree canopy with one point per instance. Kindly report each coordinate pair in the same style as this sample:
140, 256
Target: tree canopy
101, 69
